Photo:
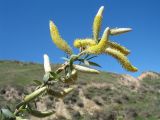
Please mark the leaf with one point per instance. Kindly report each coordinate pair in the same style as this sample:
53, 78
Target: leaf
86, 56
8, 107
54, 75
94, 64
19, 105
91, 57
39, 113
88, 63
71, 64
64, 58
84, 61
1, 115
8, 115
38, 82
81, 60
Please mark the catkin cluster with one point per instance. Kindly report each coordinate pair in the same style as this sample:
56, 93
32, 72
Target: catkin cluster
104, 45
97, 45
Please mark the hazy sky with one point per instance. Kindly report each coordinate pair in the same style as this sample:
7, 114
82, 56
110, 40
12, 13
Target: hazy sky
24, 29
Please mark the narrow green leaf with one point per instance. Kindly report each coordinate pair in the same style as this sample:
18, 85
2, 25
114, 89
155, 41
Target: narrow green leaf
91, 57
8, 115
19, 105
1, 115
81, 60
38, 82
64, 58
84, 61
86, 56
88, 63
8, 107
40, 114
54, 75
93, 64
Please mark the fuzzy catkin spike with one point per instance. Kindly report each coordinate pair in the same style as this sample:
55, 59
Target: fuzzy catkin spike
101, 46
59, 42
118, 47
97, 23
118, 31
88, 42
122, 59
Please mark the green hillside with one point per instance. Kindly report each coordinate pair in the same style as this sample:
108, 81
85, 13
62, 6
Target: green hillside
107, 96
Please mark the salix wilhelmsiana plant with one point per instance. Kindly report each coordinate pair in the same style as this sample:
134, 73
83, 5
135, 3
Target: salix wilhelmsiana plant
67, 73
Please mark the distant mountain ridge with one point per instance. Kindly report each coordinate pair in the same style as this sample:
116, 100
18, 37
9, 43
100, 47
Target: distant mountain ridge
143, 75
149, 74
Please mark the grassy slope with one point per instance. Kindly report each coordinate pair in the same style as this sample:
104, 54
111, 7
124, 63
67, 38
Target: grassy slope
19, 73
121, 101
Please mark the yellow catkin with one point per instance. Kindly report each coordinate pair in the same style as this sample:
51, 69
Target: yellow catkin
84, 43
60, 43
122, 59
101, 46
118, 47
97, 23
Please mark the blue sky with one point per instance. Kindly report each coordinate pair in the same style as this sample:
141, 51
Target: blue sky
24, 30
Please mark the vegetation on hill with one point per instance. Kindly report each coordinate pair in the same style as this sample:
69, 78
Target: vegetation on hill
107, 96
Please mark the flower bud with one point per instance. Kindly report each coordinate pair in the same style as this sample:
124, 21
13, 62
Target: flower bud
47, 66
100, 11
86, 69
34, 95
117, 31
60, 94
